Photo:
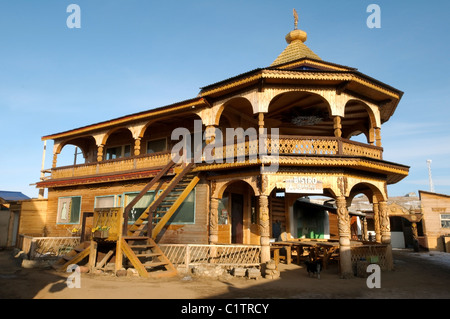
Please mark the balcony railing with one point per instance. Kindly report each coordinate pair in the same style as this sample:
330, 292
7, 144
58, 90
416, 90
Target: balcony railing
284, 145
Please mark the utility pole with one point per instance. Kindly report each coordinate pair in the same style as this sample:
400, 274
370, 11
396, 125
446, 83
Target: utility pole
429, 176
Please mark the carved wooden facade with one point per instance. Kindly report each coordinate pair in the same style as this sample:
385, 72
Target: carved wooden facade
316, 106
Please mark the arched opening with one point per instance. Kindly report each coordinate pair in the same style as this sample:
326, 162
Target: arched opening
236, 113
238, 215
364, 225
300, 113
357, 121
157, 135
77, 151
119, 144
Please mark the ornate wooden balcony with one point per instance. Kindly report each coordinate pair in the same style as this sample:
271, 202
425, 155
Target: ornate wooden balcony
285, 146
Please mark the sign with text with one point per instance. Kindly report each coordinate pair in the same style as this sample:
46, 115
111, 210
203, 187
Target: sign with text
304, 185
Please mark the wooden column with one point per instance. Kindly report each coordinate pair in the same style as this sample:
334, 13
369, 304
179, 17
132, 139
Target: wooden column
260, 121
213, 221
264, 228
100, 153
337, 126
378, 136
344, 238
376, 221
55, 159
137, 146
385, 228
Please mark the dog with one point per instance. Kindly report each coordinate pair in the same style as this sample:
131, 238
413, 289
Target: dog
314, 268
313, 265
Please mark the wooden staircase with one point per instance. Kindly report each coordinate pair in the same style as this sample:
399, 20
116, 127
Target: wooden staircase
146, 257
75, 256
138, 245
156, 216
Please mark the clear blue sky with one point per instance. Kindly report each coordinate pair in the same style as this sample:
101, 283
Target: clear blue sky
134, 55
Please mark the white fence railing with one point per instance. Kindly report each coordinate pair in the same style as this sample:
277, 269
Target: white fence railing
224, 255
38, 247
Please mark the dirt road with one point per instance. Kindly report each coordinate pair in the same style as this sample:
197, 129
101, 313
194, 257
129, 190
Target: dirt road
422, 275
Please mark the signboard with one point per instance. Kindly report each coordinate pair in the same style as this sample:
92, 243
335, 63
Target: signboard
304, 185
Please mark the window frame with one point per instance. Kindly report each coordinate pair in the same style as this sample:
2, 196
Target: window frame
117, 200
156, 139
59, 220
122, 152
171, 222
447, 220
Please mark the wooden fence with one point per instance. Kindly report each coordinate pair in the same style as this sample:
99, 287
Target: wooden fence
40, 247
224, 255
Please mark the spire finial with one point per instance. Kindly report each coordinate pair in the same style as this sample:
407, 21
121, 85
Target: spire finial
295, 19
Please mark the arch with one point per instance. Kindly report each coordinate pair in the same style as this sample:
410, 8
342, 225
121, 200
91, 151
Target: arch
300, 112
114, 130
359, 117
86, 144
223, 186
236, 105
371, 190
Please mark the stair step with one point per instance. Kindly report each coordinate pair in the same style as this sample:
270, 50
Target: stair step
149, 255
135, 238
148, 246
154, 264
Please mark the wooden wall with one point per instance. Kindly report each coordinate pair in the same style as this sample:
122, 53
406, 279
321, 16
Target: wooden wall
186, 233
433, 205
33, 216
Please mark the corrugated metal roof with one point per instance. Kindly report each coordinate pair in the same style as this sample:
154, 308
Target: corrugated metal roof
12, 196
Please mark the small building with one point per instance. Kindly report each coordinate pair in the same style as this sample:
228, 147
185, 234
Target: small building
436, 221
10, 208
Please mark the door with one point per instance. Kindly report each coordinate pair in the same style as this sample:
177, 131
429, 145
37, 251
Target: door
237, 218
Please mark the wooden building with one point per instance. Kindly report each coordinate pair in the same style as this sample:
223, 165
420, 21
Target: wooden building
304, 112
10, 211
436, 221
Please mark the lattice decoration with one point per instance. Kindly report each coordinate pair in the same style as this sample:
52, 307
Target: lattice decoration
226, 255
368, 252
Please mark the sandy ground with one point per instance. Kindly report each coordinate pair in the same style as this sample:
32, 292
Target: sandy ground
424, 275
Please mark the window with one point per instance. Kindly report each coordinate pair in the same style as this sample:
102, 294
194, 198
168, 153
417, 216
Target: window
140, 206
155, 146
185, 214
69, 209
223, 210
445, 220
107, 201
118, 152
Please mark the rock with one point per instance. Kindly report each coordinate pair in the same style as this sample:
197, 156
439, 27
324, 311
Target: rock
238, 272
212, 271
83, 269
28, 264
131, 272
121, 273
253, 273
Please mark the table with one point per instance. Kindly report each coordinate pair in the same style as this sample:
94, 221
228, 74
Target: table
324, 248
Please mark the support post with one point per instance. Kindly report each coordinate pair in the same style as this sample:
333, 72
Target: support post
376, 221
345, 258
264, 228
213, 221
385, 227
92, 255
337, 126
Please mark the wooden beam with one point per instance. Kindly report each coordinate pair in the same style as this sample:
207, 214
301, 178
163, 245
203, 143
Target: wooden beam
133, 259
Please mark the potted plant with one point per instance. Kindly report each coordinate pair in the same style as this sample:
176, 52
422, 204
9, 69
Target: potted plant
101, 232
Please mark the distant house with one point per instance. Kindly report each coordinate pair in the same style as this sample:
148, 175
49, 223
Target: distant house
436, 220
9, 216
